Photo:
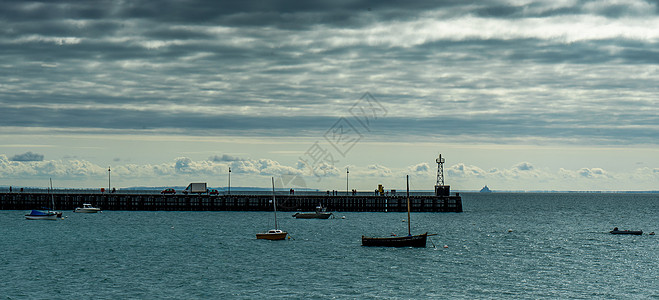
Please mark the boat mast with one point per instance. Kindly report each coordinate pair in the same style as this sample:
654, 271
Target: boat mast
409, 227
52, 197
274, 201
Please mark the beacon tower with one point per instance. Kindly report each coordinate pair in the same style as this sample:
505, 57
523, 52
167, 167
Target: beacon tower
440, 188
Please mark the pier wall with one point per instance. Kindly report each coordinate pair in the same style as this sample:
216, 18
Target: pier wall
153, 202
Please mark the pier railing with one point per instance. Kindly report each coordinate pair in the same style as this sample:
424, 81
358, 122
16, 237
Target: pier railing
152, 202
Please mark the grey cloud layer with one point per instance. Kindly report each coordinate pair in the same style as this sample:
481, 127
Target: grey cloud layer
542, 69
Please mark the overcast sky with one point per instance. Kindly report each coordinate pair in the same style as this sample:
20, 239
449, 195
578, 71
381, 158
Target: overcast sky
518, 95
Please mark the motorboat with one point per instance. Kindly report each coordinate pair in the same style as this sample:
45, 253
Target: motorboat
319, 214
40, 215
87, 208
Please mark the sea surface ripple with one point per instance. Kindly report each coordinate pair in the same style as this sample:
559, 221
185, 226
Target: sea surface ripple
503, 246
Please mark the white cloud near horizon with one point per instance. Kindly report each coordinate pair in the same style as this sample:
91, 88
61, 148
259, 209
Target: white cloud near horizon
184, 169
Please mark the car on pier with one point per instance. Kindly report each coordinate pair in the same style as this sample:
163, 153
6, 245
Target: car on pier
168, 191
213, 192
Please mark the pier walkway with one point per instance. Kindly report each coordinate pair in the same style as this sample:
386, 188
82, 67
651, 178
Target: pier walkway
153, 202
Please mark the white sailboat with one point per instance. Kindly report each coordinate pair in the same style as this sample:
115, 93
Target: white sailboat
40, 215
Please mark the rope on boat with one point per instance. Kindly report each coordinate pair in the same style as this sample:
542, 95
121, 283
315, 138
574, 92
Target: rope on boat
433, 244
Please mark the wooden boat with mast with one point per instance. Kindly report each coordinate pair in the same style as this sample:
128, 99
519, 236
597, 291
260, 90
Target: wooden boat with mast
399, 241
273, 234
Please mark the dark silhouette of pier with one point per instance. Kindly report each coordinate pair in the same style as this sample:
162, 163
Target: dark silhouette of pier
285, 202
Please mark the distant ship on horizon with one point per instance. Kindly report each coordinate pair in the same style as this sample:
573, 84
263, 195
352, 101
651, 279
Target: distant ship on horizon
485, 189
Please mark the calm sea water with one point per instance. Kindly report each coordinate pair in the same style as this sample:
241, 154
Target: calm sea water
502, 246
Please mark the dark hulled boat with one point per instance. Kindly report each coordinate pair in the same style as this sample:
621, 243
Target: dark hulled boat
632, 232
399, 241
396, 241
314, 215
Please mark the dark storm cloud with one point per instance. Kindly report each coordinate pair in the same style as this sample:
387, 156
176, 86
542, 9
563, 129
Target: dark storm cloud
141, 120
233, 13
176, 33
537, 51
95, 29
27, 156
499, 11
280, 14
483, 69
549, 125
224, 157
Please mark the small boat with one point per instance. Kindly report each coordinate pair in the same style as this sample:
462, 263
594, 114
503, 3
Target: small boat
396, 241
87, 208
51, 214
399, 241
273, 234
40, 215
319, 214
632, 232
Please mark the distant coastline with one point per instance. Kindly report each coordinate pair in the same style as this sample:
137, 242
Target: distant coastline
16, 189
565, 192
